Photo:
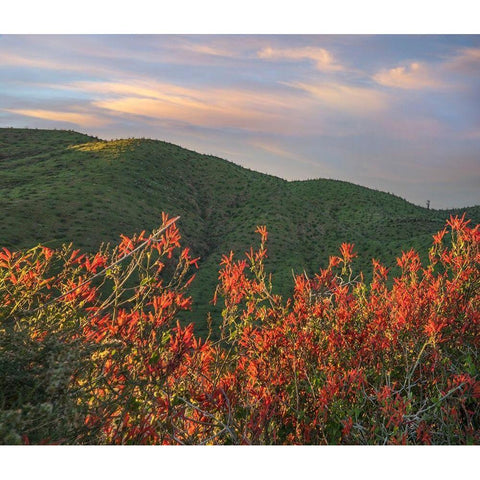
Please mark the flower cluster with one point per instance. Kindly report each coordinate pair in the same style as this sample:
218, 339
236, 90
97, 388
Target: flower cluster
340, 362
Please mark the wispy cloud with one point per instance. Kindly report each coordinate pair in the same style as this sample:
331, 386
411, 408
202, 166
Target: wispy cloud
14, 60
273, 112
465, 61
472, 134
85, 120
412, 129
204, 49
321, 57
274, 149
414, 76
294, 164
345, 98
59, 64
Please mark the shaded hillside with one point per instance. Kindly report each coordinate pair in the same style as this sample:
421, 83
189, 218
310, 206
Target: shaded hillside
58, 186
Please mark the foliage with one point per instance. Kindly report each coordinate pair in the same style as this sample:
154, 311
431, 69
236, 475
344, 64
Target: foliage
58, 186
342, 361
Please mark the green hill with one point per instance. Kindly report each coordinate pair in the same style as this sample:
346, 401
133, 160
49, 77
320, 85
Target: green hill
61, 186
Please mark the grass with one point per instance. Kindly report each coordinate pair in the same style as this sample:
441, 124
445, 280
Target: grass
62, 186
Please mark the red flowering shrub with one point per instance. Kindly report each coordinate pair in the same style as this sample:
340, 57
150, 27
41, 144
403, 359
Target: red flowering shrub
395, 361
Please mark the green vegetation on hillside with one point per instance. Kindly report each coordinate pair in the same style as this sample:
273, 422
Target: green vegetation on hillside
62, 186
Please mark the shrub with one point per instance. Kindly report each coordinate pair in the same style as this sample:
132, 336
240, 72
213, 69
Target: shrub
92, 350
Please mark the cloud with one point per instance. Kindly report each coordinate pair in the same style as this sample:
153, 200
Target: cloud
471, 134
23, 61
274, 112
81, 119
59, 64
465, 61
415, 76
322, 58
229, 113
208, 50
141, 89
340, 97
272, 148
292, 171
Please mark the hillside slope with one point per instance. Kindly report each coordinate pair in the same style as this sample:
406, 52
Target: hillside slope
59, 186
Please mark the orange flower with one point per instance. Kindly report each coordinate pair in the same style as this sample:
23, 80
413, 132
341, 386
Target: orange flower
347, 252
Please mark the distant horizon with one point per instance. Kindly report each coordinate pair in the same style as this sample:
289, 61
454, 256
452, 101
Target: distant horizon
395, 113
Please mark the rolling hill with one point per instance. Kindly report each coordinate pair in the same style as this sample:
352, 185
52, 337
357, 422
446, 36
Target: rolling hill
61, 186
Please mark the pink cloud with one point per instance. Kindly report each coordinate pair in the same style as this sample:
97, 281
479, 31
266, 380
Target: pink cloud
81, 119
15, 60
466, 61
322, 58
273, 112
415, 76
354, 100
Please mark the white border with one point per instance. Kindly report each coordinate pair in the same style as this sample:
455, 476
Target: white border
246, 16
223, 462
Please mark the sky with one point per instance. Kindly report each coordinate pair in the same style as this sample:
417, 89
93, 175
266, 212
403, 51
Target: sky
398, 113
